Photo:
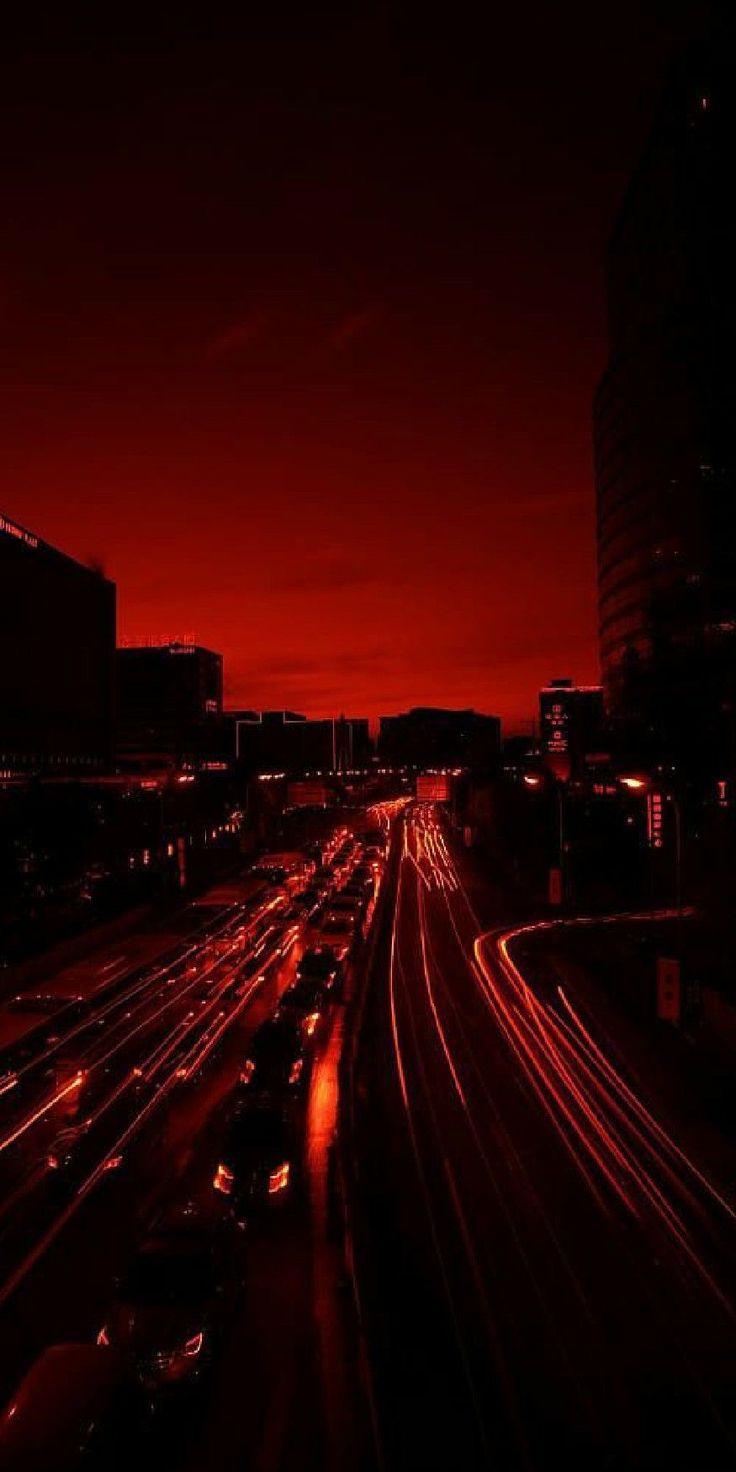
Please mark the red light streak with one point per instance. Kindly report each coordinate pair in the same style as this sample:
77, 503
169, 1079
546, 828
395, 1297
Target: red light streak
42, 1111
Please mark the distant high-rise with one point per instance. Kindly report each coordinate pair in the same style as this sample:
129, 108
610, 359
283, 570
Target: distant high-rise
284, 741
57, 659
169, 700
665, 425
570, 723
428, 738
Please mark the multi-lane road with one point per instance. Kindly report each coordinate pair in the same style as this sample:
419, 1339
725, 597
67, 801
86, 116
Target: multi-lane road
547, 1278
118, 1108
543, 1275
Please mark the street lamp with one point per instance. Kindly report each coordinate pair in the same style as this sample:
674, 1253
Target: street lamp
646, 785
536, 780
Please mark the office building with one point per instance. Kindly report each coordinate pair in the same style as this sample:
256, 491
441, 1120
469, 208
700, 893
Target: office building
665, 426
169, 701
433, 738
285, 741
57, 659
570, 724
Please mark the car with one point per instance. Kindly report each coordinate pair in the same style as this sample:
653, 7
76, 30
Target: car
355, 892
276, 1058
65, 1151
320, 964
77, 1406
173, 1303
75, 1152
293, 911
363, 875
338, 932
255, 1165
343, 903
309, 901
306, 1002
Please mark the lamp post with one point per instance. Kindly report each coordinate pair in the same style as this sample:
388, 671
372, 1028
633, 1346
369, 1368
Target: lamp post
535, 781
646, 786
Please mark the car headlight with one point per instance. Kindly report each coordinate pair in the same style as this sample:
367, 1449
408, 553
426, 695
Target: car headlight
247, 1071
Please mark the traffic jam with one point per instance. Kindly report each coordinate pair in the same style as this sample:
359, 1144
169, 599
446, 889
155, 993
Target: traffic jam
178, 1088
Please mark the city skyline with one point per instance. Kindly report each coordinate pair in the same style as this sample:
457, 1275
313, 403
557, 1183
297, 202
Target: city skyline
368, 739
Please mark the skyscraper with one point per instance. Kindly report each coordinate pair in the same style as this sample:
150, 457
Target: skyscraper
57, 653
665, 425
169, 700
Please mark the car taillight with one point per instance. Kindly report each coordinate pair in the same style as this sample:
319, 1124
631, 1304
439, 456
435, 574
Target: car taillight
312, 1021
247, 1071
224, 1179
194, 1344
103, 1336
296, 1071
278, 1179
52, 1162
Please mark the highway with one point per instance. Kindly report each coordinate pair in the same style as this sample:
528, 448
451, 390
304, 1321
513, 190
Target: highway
547, 1279
144, 1077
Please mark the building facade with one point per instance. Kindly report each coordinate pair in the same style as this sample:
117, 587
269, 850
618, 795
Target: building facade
57, 659
570, 724
169, 701
272, 741
665, 424
432, 738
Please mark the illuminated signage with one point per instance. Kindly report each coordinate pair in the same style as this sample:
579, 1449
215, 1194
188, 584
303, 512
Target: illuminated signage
11, 529
175, 643
556, 720
655, 820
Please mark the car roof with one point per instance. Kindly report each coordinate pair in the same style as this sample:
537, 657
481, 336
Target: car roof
185, 1217
303, 986
174, 1244
254, 1115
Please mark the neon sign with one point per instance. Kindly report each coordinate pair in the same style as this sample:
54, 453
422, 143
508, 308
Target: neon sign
11, 529
655, 820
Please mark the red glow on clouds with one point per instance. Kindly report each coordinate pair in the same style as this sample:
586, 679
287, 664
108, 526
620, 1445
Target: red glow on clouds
304, 354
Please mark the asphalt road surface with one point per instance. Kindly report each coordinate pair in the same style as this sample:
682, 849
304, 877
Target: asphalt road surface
547, 1279
147, 1070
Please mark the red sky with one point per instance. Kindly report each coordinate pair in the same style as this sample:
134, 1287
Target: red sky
300, 328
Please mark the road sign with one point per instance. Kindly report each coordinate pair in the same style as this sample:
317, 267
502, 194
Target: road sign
668, 989
555, 886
